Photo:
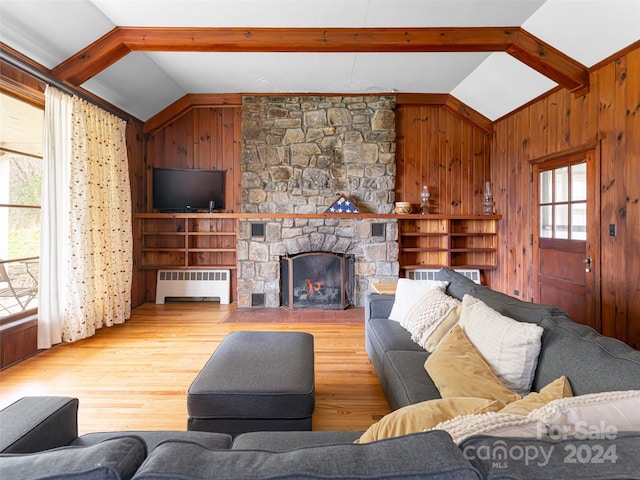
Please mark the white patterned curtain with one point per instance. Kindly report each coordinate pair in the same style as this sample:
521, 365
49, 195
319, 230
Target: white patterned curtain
86, 245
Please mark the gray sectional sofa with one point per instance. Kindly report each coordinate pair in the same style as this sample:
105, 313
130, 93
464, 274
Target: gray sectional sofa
39, 436
593, 363
39, 441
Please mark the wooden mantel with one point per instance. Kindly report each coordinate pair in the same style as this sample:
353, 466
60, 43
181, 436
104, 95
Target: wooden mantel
415, 216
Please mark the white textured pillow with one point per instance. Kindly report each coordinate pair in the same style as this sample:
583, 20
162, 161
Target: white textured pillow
493, 423
511, 348
408, 292
619, 411
427, 314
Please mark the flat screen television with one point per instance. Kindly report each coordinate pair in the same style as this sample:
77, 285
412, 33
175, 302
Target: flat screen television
187, 189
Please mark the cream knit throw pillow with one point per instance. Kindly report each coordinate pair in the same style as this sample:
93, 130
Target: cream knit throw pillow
614, 411
427, 314
494, 424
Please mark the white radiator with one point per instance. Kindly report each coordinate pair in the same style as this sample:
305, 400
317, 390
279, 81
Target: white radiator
428, 274
193, 283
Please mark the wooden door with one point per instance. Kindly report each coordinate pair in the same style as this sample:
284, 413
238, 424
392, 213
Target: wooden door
566, 266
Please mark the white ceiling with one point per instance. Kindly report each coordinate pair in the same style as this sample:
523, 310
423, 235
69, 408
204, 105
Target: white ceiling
144, 83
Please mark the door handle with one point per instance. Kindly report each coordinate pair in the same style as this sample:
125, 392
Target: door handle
587, 264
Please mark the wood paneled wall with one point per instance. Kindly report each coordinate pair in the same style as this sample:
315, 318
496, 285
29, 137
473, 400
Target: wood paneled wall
135, 153
204, 138
18, 341
437, 148
608, 117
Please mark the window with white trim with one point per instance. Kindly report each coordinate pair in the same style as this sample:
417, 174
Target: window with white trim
21, 151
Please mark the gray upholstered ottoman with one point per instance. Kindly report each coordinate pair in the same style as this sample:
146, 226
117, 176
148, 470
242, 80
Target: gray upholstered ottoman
255, 381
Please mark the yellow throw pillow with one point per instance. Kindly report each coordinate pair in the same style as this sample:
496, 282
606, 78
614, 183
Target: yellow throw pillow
458, 370
443, 329
425, 415
559, 388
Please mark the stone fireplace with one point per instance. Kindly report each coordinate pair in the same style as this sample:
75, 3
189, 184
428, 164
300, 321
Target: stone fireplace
299, 154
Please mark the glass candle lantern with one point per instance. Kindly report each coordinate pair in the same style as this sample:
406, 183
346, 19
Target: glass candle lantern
424, 199
488, 204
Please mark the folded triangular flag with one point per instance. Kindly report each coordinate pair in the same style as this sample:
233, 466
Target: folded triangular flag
342, 205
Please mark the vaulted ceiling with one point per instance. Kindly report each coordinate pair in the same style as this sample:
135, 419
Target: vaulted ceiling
491, 55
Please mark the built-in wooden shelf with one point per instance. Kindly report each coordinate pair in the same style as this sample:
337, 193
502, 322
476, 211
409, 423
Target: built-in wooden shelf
187, 240
209, 240
454, 241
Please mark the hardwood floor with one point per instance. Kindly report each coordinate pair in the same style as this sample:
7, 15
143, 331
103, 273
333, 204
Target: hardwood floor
136, 375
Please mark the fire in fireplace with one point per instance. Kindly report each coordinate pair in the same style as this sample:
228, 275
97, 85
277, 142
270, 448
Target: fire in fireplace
317, 280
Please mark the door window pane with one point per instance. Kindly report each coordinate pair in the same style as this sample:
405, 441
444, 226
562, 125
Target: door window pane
579, 221
546, 221
546, 187
561, 184
561, 214
579, 182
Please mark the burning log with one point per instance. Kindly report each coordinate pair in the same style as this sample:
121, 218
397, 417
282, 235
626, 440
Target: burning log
312, 288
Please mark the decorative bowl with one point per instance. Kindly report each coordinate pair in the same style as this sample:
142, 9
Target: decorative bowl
403, 207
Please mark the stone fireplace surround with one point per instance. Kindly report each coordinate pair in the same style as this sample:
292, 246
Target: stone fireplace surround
298, 154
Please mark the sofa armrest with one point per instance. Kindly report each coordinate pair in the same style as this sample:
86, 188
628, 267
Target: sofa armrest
33, 424
377, 305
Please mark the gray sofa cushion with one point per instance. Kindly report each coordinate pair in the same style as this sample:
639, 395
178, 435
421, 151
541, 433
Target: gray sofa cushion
569, 347
283, 441
426, 455
382, 335
509, 306
390, 335
32, 424
537, 459
513, 307
116, 459
152, 438
407, 380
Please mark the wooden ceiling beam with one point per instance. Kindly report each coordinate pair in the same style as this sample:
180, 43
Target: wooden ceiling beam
121, 40
322, 40
92, 59
550, 62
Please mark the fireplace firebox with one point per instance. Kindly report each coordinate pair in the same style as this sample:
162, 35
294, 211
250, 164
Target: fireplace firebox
317, 280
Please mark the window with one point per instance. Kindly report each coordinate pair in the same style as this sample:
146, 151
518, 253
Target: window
21, 147
563, 202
